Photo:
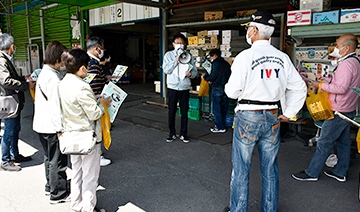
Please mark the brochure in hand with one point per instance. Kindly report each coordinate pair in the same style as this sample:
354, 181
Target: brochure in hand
118, 73
117, 96
89, 77
35, 74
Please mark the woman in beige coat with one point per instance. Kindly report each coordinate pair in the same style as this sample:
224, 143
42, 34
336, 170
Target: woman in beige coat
80, 112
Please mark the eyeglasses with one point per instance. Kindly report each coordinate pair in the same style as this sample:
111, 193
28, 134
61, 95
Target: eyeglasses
247, 27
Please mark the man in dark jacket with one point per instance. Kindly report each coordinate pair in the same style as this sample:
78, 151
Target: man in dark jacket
219, 76
11, 83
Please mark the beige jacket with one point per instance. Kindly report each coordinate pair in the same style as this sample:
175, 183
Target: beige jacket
79, 106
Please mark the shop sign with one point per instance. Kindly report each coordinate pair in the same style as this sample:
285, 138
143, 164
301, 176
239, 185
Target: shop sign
326, 17
352, 15
312, 53
299, 17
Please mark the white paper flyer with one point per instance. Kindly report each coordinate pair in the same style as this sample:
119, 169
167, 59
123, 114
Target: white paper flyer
118, 73
35, 74
89, 77
117, 96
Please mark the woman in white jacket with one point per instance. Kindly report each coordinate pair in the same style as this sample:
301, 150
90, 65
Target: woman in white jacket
47, 122
80, 112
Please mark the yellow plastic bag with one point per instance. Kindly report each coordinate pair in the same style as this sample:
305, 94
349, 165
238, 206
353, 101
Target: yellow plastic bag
106, 125
319, 105
204, 88
358, 140
32, 92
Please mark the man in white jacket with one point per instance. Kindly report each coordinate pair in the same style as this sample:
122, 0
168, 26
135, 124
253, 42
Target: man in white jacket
261, 77
47, 123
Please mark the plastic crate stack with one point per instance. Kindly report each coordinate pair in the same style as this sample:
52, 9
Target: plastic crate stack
194, 108
230, 113
205, 110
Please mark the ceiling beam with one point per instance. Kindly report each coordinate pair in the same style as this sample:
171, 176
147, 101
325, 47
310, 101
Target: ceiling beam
145, 3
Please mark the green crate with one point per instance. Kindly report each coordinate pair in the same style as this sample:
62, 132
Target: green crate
205, 104
194, 103
192, 114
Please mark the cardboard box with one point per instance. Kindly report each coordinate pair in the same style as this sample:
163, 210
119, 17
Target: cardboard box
348, 16
298, 17
197, 53
193, 40
315, 5
213, 15
225, 47
326, 17
245, 13
225, 54
228, 34
157, 86
202, 41
312, 53
214, 32
202, 34
214, 39
211, 46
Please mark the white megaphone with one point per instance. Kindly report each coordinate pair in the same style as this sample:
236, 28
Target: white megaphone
184, 57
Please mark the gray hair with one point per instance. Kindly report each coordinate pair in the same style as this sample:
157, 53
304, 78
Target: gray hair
265, 31
94, 42
5, 41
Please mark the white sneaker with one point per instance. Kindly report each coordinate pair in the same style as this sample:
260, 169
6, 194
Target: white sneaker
331, 161
104, 161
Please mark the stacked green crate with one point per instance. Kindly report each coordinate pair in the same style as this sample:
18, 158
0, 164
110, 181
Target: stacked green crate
194, 108
205, 110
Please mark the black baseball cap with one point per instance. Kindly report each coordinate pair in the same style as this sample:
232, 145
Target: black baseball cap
262, 17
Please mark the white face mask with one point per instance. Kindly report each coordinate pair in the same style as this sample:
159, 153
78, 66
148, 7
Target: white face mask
336, 52
178, 46
101, 53
334, 62
248, 40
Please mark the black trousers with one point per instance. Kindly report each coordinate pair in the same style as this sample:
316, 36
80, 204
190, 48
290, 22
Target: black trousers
55, 167
174, 97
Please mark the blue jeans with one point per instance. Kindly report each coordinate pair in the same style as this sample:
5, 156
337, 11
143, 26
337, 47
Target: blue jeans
10, 139
220, 103
261, 128
336, 132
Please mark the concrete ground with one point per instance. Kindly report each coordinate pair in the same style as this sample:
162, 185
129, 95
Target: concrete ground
166, 177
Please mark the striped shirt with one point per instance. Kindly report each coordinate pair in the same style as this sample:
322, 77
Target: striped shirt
98, 83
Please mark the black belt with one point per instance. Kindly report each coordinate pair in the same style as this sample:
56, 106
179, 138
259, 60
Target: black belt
255, 102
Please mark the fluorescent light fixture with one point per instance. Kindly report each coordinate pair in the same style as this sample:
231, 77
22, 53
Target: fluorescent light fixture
49, 6
128, 24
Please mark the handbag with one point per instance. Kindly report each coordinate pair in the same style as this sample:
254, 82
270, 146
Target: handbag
9, 106
319, 105
77, 142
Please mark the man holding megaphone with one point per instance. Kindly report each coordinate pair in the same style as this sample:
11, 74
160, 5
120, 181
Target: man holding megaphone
179, 66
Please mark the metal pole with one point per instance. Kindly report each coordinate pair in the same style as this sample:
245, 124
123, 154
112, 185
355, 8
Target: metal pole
162, 52
42, 33
143, 47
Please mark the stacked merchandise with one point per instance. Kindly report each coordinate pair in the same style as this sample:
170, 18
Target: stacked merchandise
205, 110
227, 37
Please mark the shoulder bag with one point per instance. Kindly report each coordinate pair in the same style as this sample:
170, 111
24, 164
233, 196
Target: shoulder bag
9, 106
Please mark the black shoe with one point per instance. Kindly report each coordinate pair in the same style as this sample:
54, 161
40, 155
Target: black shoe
335, 176
171, 138
226, 209
302, 176
20, 158
185, 139
63, 200
10, 166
